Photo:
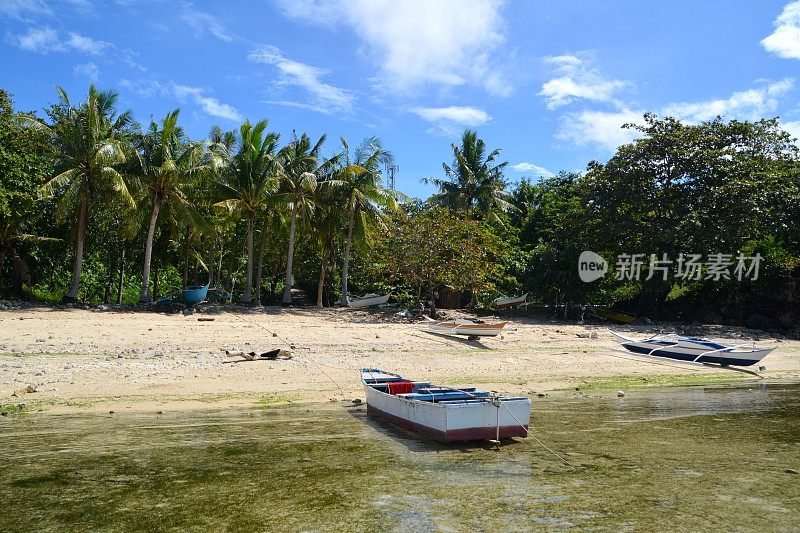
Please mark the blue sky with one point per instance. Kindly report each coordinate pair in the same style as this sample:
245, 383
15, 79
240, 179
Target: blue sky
547, 81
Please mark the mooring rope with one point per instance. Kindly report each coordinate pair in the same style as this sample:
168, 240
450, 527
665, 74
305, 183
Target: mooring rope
292, 346
529, 434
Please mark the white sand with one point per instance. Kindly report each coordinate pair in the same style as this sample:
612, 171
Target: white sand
80, 359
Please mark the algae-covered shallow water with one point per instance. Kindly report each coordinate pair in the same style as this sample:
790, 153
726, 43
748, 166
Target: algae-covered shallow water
686, 459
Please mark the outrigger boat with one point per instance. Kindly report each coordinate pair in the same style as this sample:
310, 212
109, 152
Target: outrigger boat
442, 413
695, 350
466, 327
368, 300
508, 301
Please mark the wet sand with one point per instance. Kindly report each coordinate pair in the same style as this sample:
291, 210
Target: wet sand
100, 360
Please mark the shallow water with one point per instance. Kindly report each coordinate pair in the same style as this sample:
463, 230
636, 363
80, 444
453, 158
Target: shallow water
687, 459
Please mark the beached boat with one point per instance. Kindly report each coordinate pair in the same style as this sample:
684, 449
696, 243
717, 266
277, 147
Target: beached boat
367, 300
695, 350
508, 301
442, 413
195, 294
190, 295
465, 327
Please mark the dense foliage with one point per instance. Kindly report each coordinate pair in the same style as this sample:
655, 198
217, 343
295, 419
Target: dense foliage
95, 209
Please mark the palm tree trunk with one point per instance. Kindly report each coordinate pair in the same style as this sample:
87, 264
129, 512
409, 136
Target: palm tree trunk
246, 297
324, 263
287, 289
262, 245
121, 274
186, 259
83, 215
144, 297
211, 263
346, 264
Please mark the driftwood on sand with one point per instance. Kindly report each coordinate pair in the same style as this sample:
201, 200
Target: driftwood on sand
271, 355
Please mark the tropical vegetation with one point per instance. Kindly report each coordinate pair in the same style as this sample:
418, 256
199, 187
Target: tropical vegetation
95, 209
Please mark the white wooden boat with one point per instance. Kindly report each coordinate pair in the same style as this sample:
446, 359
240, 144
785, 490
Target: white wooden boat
367, 300
442, 413
695, 350
465, 327
508, 301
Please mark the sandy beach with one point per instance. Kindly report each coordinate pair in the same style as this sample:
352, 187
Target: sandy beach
105, 359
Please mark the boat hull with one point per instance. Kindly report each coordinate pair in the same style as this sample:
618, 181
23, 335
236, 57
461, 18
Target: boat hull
452, 422
694, 351
368, 302
471, 330
195, 295
510, 302
691, 355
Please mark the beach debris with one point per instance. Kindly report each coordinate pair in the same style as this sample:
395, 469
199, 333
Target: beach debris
405, 313
30, 389
791, 471
271, 355
205, 319
357, 401
587, 335
620, 394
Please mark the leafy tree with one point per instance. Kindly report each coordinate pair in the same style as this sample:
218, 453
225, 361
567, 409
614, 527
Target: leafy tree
473, 180
434, 248
22, 167
360, 183
249, 182
300, 163
168, 160
88, 142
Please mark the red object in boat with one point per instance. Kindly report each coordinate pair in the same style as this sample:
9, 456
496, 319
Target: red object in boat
400, 387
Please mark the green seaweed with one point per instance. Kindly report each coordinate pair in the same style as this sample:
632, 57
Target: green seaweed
687, 459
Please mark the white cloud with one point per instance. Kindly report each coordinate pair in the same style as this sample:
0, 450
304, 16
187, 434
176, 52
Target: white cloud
577, 81
81, 43
418, 42
793, 128
461, 115
325, 98
145, 88
603, 128
785, 40
19, 9
752, 104
45, 39
41, 40
89, 70
533, 169
210, 106
448, 120
202, 22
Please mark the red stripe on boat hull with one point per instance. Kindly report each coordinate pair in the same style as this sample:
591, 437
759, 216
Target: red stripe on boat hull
453, 435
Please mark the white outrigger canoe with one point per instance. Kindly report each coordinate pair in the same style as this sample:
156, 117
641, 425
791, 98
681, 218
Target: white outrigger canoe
508, 301
695, 350
443, 413
367, 300
465, 327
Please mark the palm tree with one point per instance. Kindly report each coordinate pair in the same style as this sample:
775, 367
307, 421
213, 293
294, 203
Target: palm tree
167, 161
475, 179
248, 183
299, 160
361, 185
88, 141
